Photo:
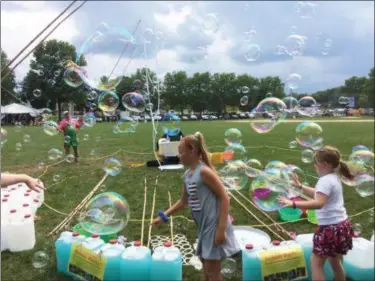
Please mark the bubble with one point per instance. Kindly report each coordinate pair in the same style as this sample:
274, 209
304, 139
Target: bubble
275, 164
70, 158
318, 144
252, 52
103, 188
112, 166
18, 146
56, 178
67, 139
4, 136
295, 44
233, 175
268, 203
93, 152
357, 228
309, 134
294, 170
86, 137
92, 95
245, 89
364, 157
273, 110
239, 152
72, 76
199, 54
358, 169
41, 165
280, 50
228, 266
54, 154
40, 259
95, 220
293, 81
149, 106
56, 73
50, 128
134, 102
108, 101
18, 128
89, 120
253, 168
126, 125
170, 126
93, 106
250, 34
159, 35
232, 136
292, 144
26, 138
343, 100
37, 93
364, 185
307, 156
324, 43
269, 95
148, 35
244, 101
307, 106
120, 43
210, 23
360, 147
305, 9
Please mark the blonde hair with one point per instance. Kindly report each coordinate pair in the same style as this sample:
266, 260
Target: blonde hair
331, 155
197, 141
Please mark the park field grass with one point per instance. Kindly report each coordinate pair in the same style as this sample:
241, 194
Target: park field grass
78, 179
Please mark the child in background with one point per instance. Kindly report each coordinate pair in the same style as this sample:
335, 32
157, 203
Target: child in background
333, 237
209, 203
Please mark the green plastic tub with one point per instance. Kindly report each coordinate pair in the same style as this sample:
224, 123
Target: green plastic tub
311, 217
78, 228
290, 214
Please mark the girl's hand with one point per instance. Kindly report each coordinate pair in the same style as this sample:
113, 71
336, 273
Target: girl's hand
157, 221
33, 184
296, 180
285, 201
220, 237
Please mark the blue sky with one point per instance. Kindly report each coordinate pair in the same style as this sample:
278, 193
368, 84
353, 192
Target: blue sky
183, 33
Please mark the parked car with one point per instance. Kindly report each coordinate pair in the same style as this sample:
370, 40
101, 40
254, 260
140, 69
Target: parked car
193, 117
213, 117
242, 115
205, 117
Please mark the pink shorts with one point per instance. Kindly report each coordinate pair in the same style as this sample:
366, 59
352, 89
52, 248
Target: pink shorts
333, 239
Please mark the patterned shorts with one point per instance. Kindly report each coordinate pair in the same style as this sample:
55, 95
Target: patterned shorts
333, 239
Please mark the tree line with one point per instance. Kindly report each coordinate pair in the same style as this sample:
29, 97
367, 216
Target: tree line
215, 92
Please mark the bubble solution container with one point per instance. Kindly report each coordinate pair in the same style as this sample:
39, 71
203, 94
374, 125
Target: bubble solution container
63, 247
21, 232
112, 252
306, 242
251, 267
135, 263
166, 263
106, 238
359, 262
311, 216
290, 214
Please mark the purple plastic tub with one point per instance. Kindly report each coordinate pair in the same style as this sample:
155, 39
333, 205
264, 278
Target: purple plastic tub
261, 193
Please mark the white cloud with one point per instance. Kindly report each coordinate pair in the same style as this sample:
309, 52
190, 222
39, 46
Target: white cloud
18, 28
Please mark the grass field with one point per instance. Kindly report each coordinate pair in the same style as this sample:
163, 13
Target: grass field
78, 179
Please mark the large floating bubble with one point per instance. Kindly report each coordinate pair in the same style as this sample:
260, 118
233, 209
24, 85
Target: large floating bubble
51, 128
273, 110
309, 134
365, 157
307, 156
108, 101
232, 136
239, 152
360, 147
54, 154
120, 43
244, 101
307, 106
364, 185
112, 166
106, 213
89, 120
234, 175
252, 52
73, 75
343, 100
126, 125
253, 168
293, 81
276, 164
290, 103
295, 44
134, 102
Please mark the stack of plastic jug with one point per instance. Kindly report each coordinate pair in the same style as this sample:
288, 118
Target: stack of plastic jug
166, 263
135, 263
112, 252
306, 242
63, 249
359, 262
18, 207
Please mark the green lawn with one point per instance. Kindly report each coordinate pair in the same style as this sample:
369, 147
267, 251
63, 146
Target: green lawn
79, 179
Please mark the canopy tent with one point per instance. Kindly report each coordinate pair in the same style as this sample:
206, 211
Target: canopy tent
16, 108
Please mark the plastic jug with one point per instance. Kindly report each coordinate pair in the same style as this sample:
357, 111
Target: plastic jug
166, 263
135, 263
21, 234
4, 225
93, 243
359, 262
251, 267
306, 242
63, 249
112, 252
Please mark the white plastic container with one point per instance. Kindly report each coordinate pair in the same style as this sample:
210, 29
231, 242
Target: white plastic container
93, 243
21, 235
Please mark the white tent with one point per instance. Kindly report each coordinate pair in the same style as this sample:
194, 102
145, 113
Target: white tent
16, 108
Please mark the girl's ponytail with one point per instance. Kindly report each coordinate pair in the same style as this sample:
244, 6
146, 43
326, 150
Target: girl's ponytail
203, 149
345, 171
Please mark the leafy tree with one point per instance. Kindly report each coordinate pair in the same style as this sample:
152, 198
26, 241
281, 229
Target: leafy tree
47, 69
9, 83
